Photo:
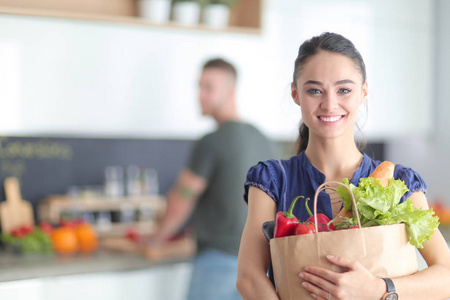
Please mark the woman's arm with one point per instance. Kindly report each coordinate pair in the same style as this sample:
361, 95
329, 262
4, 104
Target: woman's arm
434, 281
254, 253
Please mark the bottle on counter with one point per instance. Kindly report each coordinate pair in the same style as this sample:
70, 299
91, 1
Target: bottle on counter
142, 181
150, 183
104, 220
133, 180
127, 213
114, 182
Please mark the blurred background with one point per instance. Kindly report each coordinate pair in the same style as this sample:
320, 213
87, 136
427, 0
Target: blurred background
94, 91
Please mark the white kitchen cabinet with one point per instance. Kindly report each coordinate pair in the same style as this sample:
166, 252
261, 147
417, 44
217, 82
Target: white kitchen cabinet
31, 289
163, 282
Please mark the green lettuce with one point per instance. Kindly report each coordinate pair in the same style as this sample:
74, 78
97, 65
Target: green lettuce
379, 205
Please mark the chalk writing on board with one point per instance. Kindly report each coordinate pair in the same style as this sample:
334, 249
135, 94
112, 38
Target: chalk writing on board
14, 154
14, 168
41, 149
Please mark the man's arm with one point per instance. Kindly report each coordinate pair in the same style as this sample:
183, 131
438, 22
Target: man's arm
181, 201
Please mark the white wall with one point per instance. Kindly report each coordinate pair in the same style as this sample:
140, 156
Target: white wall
80, 77
430, 156
77, 77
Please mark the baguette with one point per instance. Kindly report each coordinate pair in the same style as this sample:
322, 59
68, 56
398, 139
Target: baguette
383, 172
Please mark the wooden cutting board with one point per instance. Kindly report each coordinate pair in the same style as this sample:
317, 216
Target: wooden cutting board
180, 248
14, 212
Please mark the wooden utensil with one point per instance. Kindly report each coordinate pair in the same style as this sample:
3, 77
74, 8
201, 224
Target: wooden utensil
14, 212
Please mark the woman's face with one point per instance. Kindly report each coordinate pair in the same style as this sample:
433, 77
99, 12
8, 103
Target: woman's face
329, 91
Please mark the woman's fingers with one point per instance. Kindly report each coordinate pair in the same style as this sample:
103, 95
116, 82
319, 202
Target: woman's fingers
348, 263
316, 292
321, 282
321, 273
318, 281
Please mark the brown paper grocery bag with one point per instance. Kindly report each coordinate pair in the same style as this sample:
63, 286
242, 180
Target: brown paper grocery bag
383, 250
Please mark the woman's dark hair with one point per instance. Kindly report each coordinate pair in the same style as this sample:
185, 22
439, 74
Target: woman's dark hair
331, 42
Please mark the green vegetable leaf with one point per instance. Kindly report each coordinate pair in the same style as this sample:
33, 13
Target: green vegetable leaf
345, 194
420, 223
36, 242
379, 205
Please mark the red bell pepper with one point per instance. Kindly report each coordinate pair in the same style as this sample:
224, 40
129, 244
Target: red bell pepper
324, 223
285, 222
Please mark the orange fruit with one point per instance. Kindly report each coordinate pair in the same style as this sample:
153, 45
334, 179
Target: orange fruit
64, 240
87, 238
444, 215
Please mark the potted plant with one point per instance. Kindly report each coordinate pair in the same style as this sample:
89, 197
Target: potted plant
186, 12
216, 13
154, 10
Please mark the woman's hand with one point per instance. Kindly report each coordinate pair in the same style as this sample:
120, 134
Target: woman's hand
356, 283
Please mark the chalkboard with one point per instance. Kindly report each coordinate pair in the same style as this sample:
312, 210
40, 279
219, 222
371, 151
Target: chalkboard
47, 165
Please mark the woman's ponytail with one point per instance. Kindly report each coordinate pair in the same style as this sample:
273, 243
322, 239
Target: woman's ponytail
303, 137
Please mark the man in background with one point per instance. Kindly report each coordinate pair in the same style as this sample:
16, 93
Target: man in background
209, 190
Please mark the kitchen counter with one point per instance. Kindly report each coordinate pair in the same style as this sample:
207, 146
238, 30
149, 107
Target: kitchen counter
19, 267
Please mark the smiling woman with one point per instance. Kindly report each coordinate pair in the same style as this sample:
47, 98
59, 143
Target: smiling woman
329, 85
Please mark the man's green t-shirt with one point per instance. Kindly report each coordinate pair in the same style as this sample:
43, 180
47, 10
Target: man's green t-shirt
223, 159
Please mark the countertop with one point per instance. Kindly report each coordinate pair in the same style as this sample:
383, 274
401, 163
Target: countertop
19, 267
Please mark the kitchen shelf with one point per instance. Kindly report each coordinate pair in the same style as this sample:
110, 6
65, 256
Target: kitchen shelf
242, 20
57, 203
54, 208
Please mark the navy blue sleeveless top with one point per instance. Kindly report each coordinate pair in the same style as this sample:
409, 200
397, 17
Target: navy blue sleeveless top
283, 180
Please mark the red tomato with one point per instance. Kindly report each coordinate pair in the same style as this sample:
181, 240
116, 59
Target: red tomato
26, 229
68, 223
305, 228
18, 233
22, 231
46, 227
132, 234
